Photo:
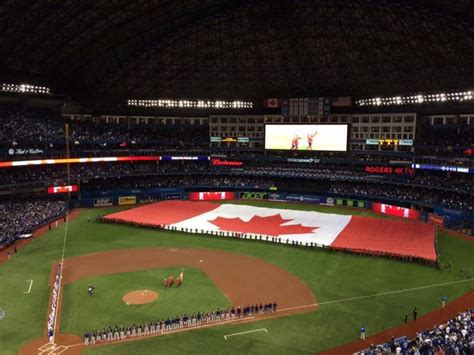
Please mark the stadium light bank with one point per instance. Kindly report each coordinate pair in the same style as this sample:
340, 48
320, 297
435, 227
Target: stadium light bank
213, 104
25, 89
457, 96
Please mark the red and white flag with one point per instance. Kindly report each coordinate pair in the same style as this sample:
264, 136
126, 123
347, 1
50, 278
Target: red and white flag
272, 103
343, 231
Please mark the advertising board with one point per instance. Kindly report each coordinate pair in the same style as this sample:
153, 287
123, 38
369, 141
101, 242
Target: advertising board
396, 210
211, 196
127, 200
252, 195
102, 201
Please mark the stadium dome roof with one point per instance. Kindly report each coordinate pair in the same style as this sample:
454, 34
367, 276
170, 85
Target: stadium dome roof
243, 49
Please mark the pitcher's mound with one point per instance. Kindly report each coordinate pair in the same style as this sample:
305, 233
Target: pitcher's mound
140, 297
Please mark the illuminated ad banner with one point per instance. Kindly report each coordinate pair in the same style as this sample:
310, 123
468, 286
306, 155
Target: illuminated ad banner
185, 158
251, 195
230, 140
389, 170
306, 137
435, 219
302, 160
407, 142
102, 201
231, 163
62, 189
212, 196
127, 200
454, 169
7, 164
396, 211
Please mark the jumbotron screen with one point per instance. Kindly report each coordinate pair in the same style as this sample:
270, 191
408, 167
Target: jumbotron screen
306, 137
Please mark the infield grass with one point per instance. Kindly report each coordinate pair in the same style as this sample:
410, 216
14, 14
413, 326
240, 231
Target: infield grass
80, 311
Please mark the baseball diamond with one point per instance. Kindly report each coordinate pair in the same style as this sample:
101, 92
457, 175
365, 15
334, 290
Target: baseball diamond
238, 272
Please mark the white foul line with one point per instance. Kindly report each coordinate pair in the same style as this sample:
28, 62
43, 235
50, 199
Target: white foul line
61, 274
248, 331
376, 295
29, 289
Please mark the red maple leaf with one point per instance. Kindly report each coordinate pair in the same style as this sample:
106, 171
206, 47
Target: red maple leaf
271, 225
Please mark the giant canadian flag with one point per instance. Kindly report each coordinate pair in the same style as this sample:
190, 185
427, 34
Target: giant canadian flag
343, 231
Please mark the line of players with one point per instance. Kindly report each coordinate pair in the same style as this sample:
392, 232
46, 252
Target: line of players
187, 321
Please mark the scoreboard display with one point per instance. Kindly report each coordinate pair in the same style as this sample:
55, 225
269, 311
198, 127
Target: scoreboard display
306, 137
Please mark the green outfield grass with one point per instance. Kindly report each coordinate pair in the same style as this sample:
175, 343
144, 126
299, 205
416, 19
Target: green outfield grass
80, 310
332, 277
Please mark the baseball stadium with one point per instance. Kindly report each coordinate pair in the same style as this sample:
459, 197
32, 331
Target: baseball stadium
237, 177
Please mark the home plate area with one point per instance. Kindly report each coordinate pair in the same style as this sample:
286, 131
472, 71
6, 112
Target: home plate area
352, 233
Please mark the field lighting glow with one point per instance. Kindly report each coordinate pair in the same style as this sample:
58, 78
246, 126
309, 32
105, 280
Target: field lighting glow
458, 96
25, 89
214, 104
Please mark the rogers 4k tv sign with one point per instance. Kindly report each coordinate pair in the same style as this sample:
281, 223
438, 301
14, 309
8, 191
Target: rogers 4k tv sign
253, 195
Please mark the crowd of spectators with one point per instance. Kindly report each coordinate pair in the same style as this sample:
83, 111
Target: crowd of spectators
22, 217
456, 336
143, 182
445, 140
455, 182
452, 200
453, 190
163, 136
78, 171
22, 127
28, 127
323, 172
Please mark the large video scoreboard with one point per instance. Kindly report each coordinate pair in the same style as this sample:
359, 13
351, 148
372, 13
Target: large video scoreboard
307, 137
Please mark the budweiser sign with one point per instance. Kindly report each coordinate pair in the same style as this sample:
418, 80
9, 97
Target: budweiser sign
219, 162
